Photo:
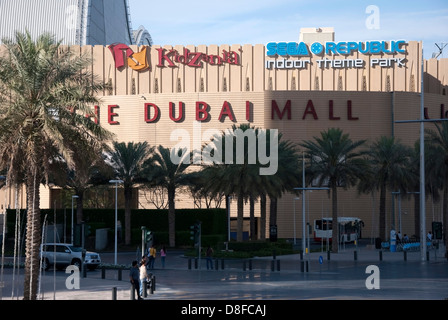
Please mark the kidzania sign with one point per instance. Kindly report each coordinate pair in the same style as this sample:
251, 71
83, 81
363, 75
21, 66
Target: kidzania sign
284, 50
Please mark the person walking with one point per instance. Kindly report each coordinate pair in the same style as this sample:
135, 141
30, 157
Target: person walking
152, 257
134, 278
143, 275
209, 255
163, 256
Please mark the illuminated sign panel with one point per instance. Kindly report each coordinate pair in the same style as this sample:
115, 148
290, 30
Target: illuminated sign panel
285, 50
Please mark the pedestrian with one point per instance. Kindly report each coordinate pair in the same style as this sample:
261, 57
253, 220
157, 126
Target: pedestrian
152, 257
134, 278
143, 275
209, 255
163, 256
429, 236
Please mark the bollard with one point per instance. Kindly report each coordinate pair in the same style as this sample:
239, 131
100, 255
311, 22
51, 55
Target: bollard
119, 274
145, 289
427, 255
152, 286
328, 255
405, 255
278, 265
196, 263
222, 264
301, 255
244, 265
307, 266
216, 264
274, 254
84, 271
381, 255
355, 255
153, 282
250, 264
103, 272
114, 293
132, 295
272, 265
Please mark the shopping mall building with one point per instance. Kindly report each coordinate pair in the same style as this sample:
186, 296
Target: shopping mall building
299, 88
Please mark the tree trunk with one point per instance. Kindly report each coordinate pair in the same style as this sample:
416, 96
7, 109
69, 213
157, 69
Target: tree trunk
335, 224
263, 217
127, 214
172, 217
33, 238
239, 230
383, 213
253, 236
79, 207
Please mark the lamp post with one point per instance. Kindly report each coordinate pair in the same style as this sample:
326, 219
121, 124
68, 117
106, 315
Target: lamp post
294, 205
73, 197
116, 182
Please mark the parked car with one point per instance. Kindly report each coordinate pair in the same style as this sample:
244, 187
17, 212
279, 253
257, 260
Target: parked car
62, 255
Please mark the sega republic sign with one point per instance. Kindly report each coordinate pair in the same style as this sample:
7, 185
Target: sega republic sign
282, 51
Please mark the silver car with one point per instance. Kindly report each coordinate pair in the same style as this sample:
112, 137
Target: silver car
62, 255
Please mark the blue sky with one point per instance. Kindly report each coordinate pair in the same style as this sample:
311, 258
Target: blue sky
184, 22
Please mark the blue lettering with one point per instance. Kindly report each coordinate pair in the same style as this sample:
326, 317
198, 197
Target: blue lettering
367, 47
375, 47
292, 48
281, 48
352, 46
384, 49
397, 46
342, 47
272, 49
303, 50
330, 47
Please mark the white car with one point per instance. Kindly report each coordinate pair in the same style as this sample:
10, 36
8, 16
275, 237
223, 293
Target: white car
62, 255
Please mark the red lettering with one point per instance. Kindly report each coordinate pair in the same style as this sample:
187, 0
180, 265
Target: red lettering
95, 115
349, 111
274, 108
248, 111
148, 111
310, 110
332, 117
226, 111
181, 112
195, 61
165, 57
111, 115
201, 111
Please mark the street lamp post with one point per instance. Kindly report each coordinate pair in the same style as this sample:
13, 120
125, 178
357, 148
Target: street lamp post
116, 182
73, 197
294, 203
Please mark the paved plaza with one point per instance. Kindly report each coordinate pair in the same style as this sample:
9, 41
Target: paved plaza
364, 274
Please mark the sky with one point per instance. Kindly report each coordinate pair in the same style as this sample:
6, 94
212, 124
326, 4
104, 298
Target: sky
181, 22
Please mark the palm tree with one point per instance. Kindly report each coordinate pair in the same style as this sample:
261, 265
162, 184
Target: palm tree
389, 162
45, 96
333, 161
245, 181
127, 161
159, 170
438, 144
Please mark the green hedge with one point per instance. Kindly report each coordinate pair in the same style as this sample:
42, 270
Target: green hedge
214, 222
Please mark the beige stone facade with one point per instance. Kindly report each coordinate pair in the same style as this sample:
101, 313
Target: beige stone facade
197, 88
